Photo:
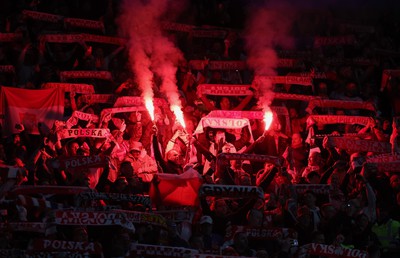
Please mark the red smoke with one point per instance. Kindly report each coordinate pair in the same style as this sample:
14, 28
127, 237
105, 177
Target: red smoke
149, 50
268, 27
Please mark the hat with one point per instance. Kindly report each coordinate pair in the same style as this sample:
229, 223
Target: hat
137, 146
206, 219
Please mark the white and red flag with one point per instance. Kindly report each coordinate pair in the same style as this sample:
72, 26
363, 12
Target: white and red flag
29, 107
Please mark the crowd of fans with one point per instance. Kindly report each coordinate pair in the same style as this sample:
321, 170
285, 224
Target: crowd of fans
316, 195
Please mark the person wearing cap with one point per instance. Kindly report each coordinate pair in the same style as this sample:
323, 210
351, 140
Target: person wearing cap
143, 165
212, 241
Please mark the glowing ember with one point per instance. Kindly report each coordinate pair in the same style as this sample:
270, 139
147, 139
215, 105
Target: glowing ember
268, 119
150, 108
178, 114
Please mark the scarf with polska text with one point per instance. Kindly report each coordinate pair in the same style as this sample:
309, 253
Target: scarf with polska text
102, 75
70, 87
340, 104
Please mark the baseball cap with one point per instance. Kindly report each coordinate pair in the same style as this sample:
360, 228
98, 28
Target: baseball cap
206, 219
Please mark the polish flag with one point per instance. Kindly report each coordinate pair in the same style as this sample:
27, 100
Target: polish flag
30, 107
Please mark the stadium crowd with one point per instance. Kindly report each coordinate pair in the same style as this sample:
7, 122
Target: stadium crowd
106, 179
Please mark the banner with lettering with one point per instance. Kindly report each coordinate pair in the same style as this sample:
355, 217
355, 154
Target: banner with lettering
290, 96
358, 145
137, 199
85, 116
337, 119
70, 87
84, 132
109, 111
42, 204
173, 26
79, 162
252, 157
316, 188
334, 251
208, 33
340, 104
298, 80
177, 215
49, 245
99, 98
49, 189
29, 107
78, 37
129, 101
124, 218
351, 61
224, 89
218, 65
231, 191
83, 23
143, 250
176, 190
314, 75
7, 69
357, 28
10, 37
385, 162
280, 111
334, 41
36, 227
102, 75
41, 16
219, 122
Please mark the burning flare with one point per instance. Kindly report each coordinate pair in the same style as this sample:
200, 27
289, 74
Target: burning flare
268, 116
150, 107
178, 114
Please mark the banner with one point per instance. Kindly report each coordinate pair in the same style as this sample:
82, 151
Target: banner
224, 89
280, 111
315, 188
49, 189
338, 119
289, 96
42, 204
10, 37
7, 69
106, 111
219, 122
351, 61
334, 251
358, 145
82, 23
142, 250
209, 33
299, 80
79, 162
77, 38
99, 98
30, 107
252, 157
173, 26
70, 87
40, 16
36, 227
129, 101
334, 41
50, 245
84, 132
102, 75
124, 218
218, 65
340, 104
231, 191
356, 28
137, 199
